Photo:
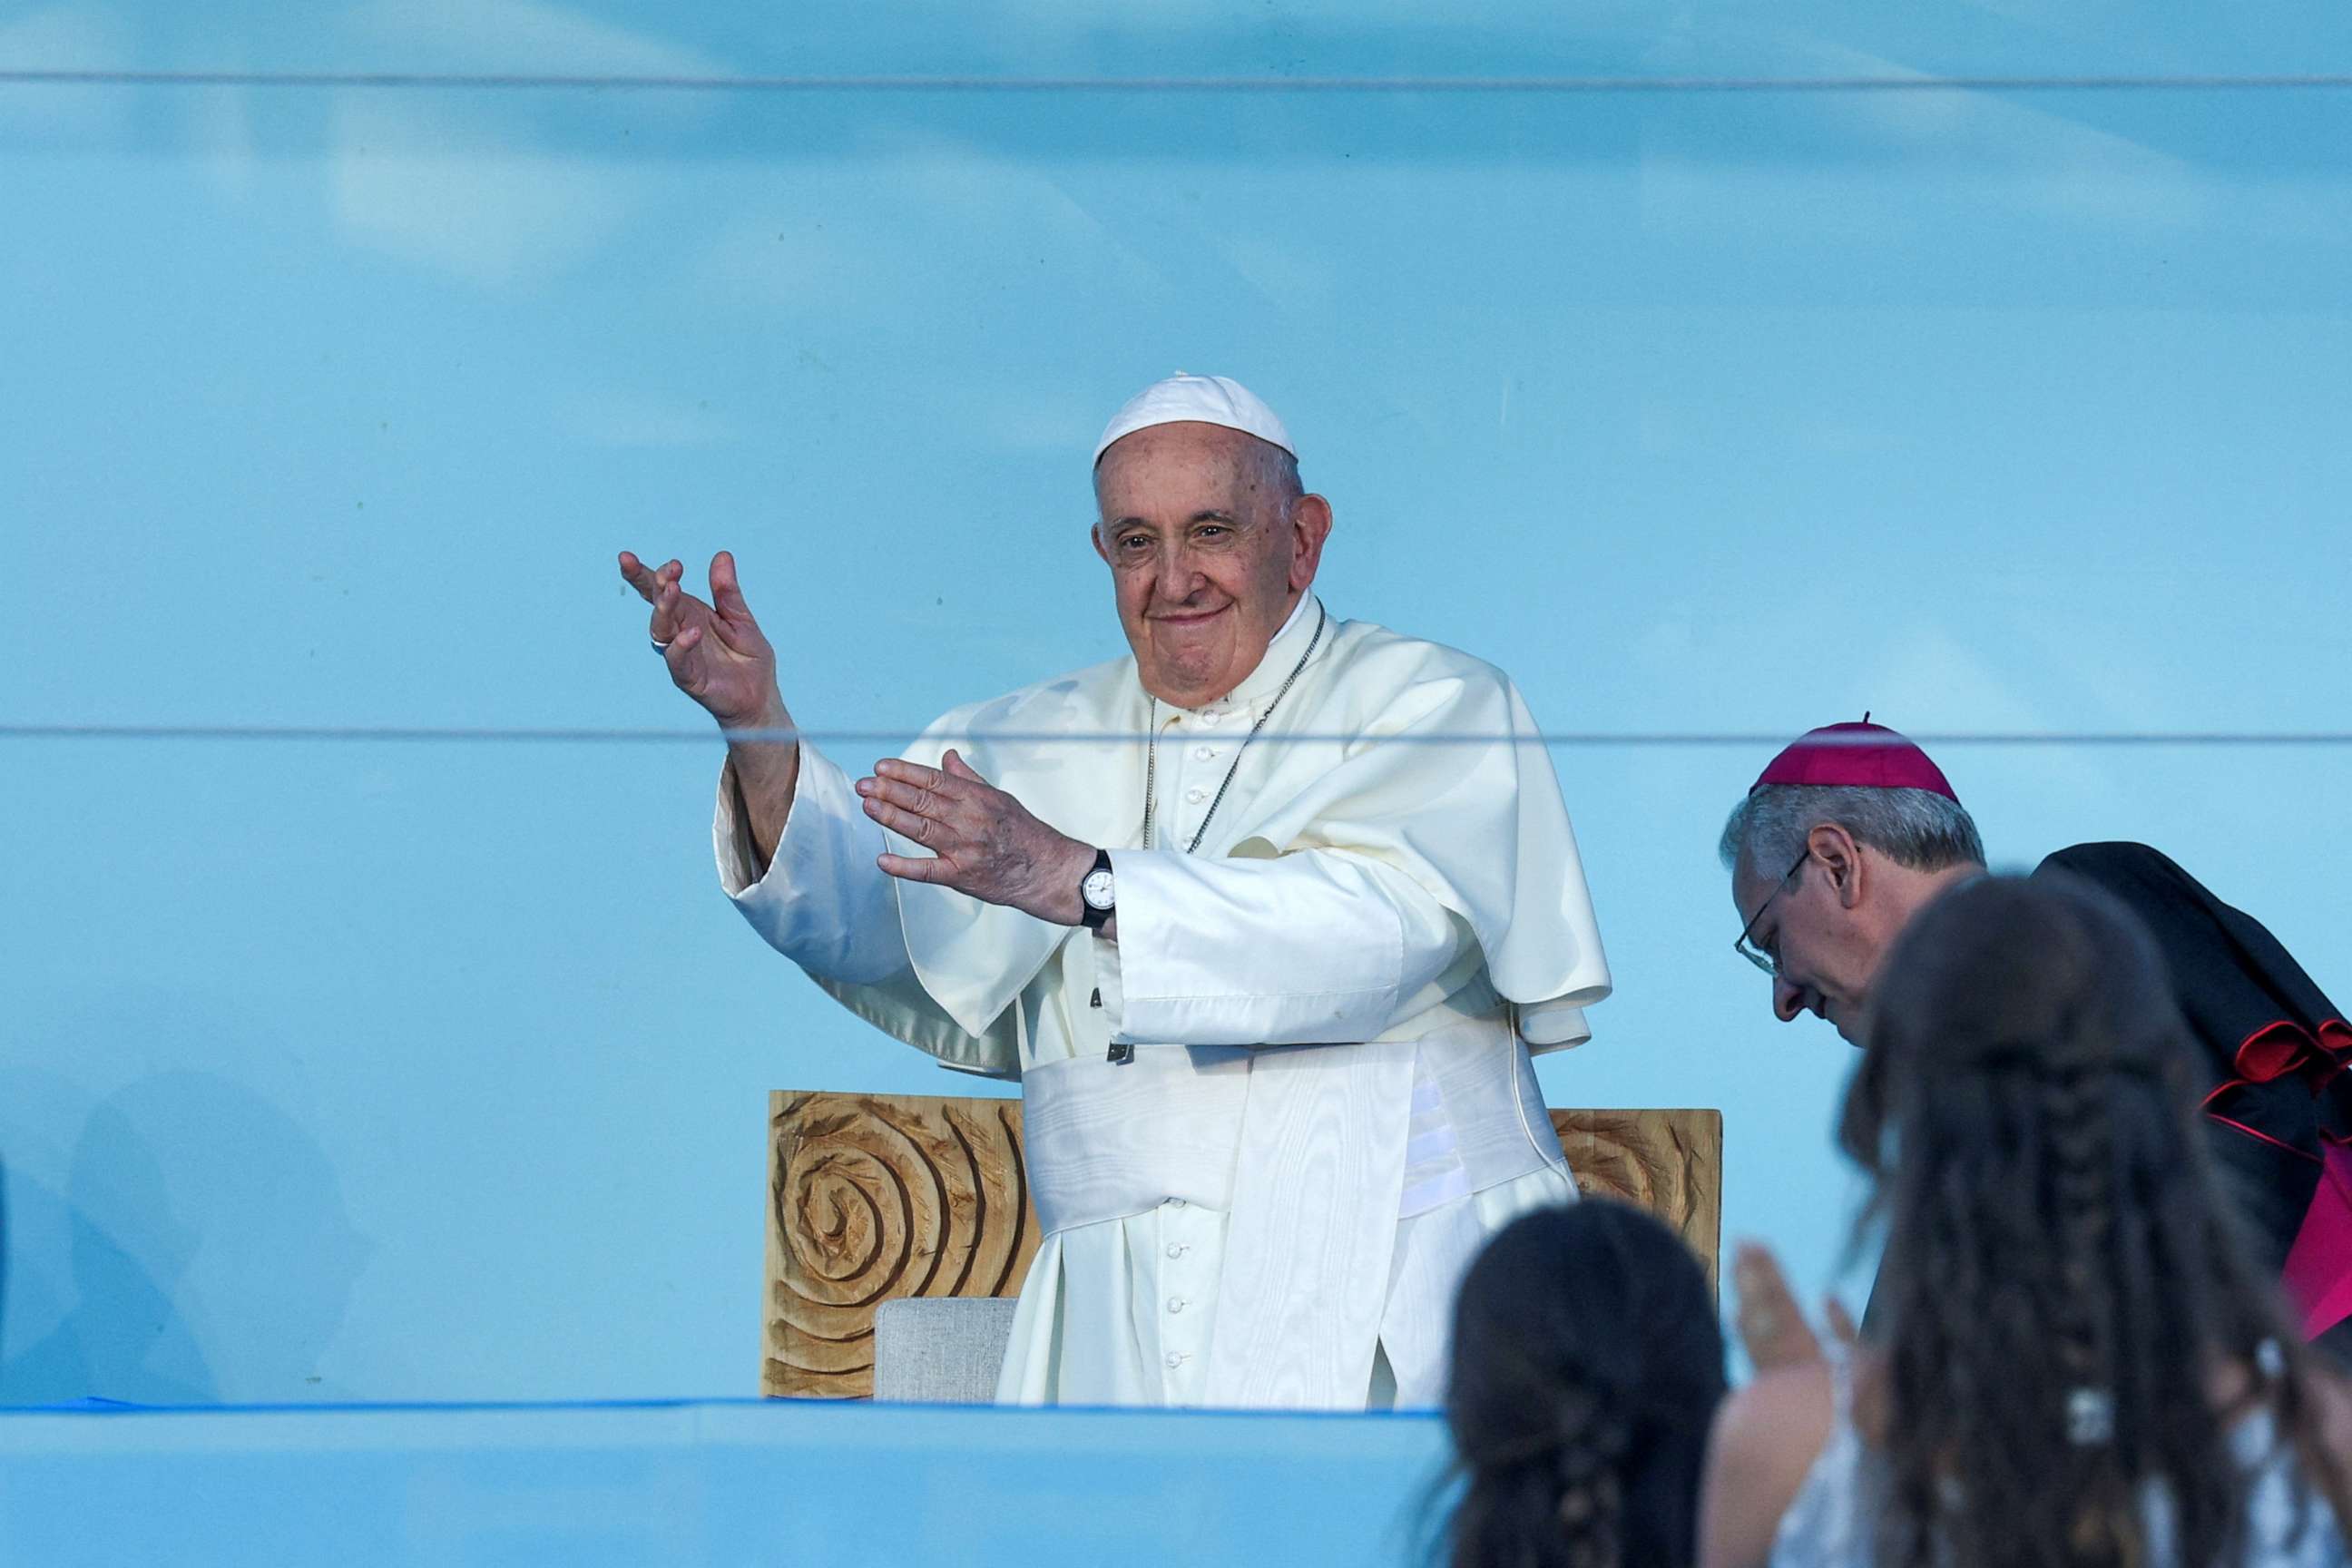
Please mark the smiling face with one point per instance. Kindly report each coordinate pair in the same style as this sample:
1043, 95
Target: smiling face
1210, 545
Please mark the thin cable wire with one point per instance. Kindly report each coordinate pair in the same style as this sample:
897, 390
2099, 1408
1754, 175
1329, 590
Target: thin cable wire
507, 81
406, 734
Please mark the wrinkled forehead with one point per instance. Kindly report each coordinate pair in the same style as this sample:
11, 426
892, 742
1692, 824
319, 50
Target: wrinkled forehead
1181, 468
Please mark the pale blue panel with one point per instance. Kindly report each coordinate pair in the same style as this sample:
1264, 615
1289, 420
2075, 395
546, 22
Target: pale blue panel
1006, 37
713, 1484
405, 1070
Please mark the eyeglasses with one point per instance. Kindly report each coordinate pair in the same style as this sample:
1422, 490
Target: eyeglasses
1749, 950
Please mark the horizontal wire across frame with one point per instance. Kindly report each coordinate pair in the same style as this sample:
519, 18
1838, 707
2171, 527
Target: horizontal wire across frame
409, 734
1115, 84
510, 80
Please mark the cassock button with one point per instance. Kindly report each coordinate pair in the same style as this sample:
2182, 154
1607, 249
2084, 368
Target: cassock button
1196, 795
1177, 1249
1202, 752
1175, 1360
1209, 720
1175, 1203
1175, 1303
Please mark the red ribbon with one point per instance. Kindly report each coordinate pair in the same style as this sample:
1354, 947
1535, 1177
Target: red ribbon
2275, 1050
2318, 1273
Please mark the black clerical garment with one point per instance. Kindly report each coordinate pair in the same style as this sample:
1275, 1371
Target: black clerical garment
2278, 1102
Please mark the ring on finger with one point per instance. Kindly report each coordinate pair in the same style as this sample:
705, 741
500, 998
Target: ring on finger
660, 646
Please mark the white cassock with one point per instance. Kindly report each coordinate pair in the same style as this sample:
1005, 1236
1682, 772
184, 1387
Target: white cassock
1330, 1105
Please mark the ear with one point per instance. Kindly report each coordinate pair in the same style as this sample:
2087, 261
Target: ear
1310, 525
1095, 534
1841, 858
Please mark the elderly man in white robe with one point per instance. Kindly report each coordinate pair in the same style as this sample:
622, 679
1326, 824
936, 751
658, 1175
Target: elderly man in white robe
1266, 942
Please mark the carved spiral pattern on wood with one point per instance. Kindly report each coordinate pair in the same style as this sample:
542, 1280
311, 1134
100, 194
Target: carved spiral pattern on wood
1667, 1162
875, 1196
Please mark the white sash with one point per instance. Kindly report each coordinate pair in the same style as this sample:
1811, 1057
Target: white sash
1104, 1140
1314, 1153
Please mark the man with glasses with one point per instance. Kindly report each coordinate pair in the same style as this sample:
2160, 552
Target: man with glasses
1851, 830
1865, 831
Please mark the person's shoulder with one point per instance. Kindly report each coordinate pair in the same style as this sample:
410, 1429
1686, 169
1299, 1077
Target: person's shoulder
1368, 646
2108, 862
1041, 704
1767, 1438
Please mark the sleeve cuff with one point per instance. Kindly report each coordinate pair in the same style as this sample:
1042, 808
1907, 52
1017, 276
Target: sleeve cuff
1113, 1017
823, 902
730, 836
1552, 1025
824, 808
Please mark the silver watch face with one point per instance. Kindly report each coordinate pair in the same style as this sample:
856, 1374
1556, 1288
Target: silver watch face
1096, 890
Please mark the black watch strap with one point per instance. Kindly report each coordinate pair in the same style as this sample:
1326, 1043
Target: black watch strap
1090, 917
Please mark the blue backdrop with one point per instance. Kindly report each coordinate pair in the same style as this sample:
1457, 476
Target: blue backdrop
438, 1070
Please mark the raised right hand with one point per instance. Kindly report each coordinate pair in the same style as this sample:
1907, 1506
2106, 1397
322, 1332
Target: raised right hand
716, 653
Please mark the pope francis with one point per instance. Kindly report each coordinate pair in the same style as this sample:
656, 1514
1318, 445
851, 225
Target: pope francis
1266, 940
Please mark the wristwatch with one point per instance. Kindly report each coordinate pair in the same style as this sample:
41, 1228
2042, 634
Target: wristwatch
1096, 900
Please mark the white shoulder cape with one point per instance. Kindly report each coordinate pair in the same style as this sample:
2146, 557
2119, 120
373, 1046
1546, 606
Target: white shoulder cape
1404, 752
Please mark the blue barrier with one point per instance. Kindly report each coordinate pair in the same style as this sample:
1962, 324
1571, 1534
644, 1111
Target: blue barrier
724, 1482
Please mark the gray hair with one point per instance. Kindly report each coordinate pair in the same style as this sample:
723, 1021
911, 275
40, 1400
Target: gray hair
1913, 827
1276, 470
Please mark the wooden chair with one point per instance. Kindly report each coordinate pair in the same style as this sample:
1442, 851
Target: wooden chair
873, 1198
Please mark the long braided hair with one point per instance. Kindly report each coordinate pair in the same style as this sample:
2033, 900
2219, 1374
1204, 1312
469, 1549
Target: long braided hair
2063, 1284
1588, 1361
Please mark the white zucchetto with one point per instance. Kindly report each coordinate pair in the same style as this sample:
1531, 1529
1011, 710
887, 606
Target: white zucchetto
1200, 399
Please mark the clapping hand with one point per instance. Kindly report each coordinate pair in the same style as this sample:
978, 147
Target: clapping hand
1772, 1327
716, 652
981, 840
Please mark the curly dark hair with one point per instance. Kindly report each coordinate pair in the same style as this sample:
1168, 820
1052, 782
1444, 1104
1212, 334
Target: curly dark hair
1588, 1361
2063, 1276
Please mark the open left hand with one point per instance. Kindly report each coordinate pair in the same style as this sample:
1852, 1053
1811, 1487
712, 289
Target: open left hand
983, 841
1771, 1325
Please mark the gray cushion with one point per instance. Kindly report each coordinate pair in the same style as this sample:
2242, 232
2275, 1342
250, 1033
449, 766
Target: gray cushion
942, 1349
